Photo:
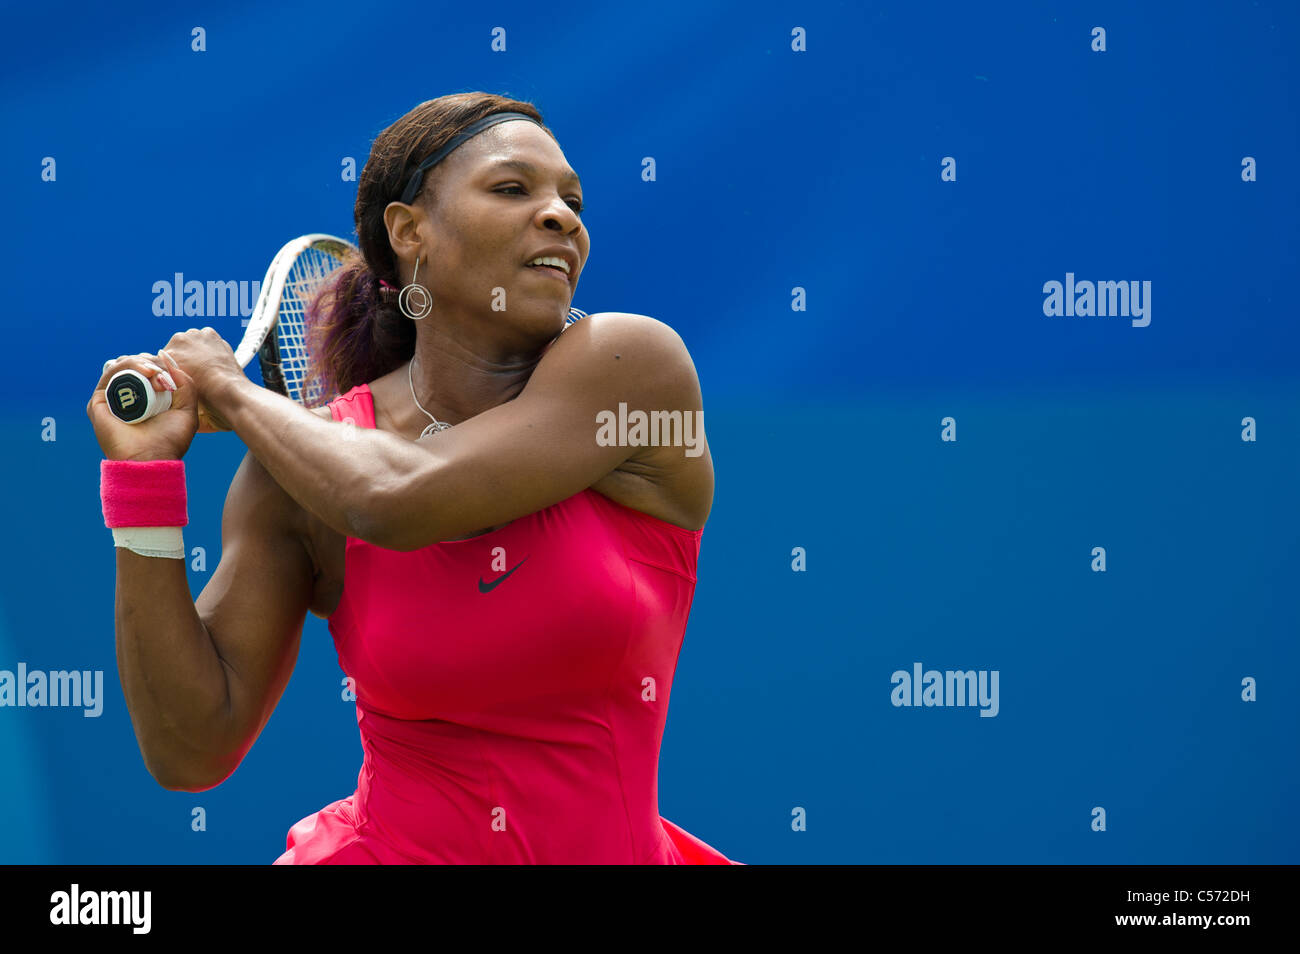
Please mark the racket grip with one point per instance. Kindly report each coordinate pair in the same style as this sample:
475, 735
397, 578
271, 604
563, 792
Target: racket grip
131, 397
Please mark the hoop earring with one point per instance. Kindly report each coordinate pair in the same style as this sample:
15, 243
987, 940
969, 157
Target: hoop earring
423, 300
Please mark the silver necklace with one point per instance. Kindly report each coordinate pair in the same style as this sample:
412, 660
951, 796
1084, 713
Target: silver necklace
437, 425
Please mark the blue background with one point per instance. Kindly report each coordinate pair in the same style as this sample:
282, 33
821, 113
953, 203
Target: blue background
776, 169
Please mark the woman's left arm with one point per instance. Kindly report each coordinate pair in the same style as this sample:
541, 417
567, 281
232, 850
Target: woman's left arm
544, 446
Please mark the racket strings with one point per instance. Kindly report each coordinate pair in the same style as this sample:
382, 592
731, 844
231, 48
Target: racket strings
309, 272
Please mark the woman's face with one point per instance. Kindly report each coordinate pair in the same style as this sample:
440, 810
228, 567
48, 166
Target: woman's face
486, 219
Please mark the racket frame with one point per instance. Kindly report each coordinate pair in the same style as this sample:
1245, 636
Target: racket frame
259, 337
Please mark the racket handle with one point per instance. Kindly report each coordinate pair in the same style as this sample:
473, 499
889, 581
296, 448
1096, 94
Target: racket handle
132, 398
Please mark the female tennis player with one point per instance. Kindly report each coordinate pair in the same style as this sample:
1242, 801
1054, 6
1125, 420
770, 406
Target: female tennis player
508, 592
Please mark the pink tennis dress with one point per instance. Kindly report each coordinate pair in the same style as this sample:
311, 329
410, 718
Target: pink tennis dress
511, 691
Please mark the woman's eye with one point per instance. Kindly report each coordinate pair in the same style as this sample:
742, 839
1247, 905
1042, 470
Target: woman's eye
577, 205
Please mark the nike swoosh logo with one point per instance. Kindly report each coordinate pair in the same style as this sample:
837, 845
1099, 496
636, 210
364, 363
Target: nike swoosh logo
487, 587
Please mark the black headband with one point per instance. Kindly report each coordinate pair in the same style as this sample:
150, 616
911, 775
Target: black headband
417, 177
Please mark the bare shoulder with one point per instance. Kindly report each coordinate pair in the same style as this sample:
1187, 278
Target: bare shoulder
639, 356
634, 370
628, 329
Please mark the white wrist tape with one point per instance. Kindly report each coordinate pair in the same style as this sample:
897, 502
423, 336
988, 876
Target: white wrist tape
151, 541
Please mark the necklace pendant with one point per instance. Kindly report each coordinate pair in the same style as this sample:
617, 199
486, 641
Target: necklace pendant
434, 428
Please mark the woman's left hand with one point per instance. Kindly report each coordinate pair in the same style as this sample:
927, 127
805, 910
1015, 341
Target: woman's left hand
206, 357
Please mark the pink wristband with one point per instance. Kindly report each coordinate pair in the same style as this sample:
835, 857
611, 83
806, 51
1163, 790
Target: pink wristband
143, 493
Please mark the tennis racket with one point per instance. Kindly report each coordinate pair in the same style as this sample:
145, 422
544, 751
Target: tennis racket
275, 332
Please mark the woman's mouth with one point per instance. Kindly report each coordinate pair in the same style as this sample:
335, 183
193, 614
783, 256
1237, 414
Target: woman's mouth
550, 270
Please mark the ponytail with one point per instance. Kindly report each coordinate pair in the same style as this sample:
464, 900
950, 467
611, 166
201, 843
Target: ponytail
354, 333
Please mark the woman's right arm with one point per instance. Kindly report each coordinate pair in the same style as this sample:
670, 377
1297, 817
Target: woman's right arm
201, 679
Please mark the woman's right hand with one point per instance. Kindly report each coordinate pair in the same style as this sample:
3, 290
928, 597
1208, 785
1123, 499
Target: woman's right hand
165, 436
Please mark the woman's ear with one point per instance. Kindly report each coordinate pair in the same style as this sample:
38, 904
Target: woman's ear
404, 225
